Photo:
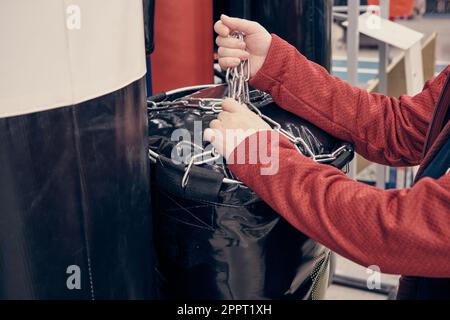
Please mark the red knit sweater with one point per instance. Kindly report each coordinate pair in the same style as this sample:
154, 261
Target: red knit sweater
402, 231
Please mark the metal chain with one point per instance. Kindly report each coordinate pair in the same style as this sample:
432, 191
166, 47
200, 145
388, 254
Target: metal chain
214, 106
205, 104
198, 160
237, 80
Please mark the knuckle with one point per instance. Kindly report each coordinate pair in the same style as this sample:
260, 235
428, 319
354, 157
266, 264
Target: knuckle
222, 116
255, 25
227, 102
233, 42
223, 63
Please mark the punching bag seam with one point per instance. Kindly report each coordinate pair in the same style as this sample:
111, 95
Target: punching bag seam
83, 201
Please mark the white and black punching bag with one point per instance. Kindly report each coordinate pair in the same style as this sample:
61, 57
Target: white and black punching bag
75, 221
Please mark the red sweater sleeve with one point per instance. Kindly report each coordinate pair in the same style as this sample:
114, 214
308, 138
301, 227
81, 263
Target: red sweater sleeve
384, 130
401, 231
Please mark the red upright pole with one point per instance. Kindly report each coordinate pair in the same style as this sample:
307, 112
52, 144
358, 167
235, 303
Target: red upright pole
183, 53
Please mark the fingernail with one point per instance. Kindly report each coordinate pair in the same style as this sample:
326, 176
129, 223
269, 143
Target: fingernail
224, 16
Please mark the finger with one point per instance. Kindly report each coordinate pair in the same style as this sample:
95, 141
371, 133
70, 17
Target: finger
224, 115
215, 137
233, 53
221, 29
231, 43
242, 25
229, 62
208, 135
232, 105
216, 124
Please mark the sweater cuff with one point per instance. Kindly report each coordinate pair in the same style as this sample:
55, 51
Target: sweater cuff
273, 68
258, 154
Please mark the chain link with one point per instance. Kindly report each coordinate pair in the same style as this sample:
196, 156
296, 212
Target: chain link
237, 78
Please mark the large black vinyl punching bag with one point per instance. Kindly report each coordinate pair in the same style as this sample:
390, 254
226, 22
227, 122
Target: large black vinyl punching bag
306, 24
74, 178
214, 237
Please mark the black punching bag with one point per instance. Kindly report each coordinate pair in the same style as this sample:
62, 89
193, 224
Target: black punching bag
214, 237
306, 24
75, 221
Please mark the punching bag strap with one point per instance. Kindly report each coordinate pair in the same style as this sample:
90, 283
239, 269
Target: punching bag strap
344, 158
202, 185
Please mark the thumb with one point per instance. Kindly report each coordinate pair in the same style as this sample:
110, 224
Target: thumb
242, 25
231, 105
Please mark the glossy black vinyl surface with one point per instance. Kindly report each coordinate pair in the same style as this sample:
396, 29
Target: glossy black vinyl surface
236, 248
217, 240
74, 191
149, 21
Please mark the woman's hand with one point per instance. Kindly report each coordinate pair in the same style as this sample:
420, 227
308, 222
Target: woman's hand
235, 123
232, 51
